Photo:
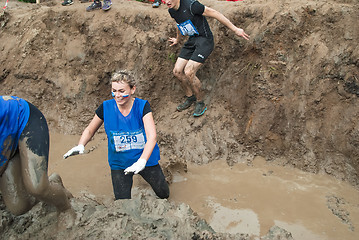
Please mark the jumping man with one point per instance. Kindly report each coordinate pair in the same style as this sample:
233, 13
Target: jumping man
190, 16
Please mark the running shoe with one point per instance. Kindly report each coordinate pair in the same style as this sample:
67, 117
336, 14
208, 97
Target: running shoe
187, 103
95, 5
156, 4
199, 109
106, 5
67, 3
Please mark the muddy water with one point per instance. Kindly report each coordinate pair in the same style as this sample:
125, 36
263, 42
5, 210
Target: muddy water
238, 199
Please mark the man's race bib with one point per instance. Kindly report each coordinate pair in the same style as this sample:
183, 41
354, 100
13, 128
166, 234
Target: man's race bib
187, 28
125, 141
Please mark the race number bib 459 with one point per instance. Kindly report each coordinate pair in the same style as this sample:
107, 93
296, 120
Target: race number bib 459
125, 141
187, 28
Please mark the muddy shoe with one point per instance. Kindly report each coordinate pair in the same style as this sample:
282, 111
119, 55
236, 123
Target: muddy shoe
95, 5
107, 5
67, 3
156, 4
187, 103
199, 109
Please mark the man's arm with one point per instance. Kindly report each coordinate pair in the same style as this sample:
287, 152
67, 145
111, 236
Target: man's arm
209, 12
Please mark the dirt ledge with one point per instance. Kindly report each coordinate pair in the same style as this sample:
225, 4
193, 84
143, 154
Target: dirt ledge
290, 94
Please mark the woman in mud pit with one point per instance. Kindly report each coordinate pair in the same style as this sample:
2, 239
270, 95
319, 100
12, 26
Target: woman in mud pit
24, 152
131, 134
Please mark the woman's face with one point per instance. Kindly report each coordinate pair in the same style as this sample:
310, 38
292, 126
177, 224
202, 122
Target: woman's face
122, 92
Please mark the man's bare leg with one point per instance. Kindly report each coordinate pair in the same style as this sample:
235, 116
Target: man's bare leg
15, 196
178, 71
190, 72
36, 182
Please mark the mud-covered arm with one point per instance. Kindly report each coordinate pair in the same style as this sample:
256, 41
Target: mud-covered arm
209, 12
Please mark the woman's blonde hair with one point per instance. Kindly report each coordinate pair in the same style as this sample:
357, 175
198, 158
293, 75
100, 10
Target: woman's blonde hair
124, 77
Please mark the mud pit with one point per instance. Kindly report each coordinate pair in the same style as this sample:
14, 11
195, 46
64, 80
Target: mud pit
289, 95
243, 198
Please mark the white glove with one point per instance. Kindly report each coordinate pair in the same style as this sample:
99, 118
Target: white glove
79, 149
136, 167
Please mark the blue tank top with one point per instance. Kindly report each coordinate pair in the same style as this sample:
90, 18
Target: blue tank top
126, 135
14, 114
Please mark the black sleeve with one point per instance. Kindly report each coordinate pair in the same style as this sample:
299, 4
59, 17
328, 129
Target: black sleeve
170, 11
99, 111
146, 109
197, 8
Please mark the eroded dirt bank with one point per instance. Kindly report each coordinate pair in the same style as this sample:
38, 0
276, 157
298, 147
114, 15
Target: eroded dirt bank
290, 93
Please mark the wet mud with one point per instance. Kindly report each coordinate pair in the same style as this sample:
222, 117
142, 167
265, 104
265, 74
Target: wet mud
289, 95
243, 198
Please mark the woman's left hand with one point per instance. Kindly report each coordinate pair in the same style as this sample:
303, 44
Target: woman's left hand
136, 167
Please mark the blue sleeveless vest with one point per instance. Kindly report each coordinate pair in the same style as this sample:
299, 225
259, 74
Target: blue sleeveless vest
14, 115
126, 135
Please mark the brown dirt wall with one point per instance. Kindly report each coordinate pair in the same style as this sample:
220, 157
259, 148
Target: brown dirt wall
289, 94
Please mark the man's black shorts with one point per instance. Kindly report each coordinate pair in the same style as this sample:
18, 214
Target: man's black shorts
197, 48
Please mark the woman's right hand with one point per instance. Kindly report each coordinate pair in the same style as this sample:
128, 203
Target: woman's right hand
79, 149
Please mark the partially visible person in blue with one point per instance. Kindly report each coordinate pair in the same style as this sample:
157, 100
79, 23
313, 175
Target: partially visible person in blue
24, 153
190, 16
131, 134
